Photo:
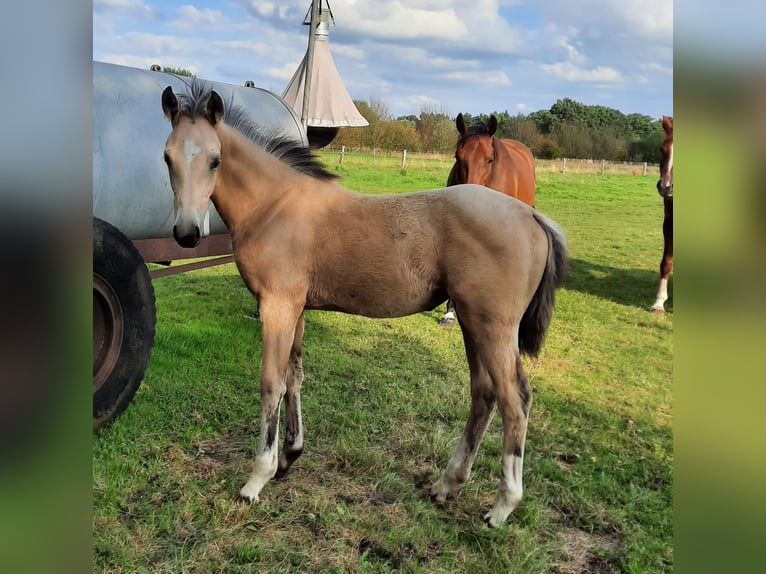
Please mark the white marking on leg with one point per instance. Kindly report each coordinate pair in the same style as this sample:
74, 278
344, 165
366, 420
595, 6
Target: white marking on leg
265, 465
449, 315
509, 492
662, 296
456, 473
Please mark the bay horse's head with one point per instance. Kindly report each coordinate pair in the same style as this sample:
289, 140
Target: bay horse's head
475, 151
192, 154
665, 184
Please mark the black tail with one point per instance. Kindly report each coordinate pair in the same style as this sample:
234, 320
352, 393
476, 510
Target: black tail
537, 317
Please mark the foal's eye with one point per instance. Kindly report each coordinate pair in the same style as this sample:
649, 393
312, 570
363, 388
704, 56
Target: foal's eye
215, 163
490, 160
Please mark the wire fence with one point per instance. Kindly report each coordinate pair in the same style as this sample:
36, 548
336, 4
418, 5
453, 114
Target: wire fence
404, 159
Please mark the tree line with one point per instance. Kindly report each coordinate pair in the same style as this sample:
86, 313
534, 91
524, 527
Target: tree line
568, 129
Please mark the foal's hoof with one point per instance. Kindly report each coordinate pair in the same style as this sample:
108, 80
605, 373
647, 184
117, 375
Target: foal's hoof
247, 497
439, 492
447, 322
494, 521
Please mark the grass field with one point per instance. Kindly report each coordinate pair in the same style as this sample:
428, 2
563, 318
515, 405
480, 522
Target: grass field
384, 403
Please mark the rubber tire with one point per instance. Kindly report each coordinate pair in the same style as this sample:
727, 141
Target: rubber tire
124, 317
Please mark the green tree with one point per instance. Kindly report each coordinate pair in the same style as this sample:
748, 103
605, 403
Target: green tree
436, 130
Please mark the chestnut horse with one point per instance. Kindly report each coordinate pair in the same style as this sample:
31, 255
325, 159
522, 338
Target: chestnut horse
504, 165
665, 189
301, 241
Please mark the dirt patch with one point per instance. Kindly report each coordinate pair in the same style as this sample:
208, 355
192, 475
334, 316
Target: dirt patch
587, 553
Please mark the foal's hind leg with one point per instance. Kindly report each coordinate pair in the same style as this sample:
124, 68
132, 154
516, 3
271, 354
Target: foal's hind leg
279, 323
514, 395
482, 407
293, 446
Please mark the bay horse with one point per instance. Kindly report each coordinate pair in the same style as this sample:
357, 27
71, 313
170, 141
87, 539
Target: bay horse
301, 241
504, 165
665, 189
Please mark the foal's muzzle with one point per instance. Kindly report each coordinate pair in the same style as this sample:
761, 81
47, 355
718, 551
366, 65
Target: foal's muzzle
665, 191
187, 238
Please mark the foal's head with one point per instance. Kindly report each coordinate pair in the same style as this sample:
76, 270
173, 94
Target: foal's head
475, 151
665, 184
192, 154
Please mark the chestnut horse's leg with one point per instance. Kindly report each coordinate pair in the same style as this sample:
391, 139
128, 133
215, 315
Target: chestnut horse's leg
448, 319
293, 446
666, 264
482, 408
279, 324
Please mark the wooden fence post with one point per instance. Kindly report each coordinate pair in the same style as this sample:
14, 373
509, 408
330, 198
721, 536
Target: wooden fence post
404, 159
373, 156
603, 166
342, 154
564, 165
645, 168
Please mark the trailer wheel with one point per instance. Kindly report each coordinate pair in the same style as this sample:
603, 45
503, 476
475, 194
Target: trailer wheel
123, 322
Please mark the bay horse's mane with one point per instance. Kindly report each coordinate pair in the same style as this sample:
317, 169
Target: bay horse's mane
193, 104
477, 129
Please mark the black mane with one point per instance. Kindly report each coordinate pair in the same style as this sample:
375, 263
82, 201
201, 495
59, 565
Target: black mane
477, 129
280, 145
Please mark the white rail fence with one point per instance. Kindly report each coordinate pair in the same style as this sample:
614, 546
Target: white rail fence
407, 159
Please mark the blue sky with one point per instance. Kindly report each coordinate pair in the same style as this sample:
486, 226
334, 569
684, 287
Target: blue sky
476, 56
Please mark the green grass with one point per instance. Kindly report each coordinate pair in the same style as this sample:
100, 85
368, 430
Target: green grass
384, 403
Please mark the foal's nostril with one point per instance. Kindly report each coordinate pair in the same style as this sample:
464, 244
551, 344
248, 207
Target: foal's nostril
187, 240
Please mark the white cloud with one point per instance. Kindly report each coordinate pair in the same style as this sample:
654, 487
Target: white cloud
351, 52
395, 21
283, 73
482, 78
207, 20
572, 73
134, 8
460, 53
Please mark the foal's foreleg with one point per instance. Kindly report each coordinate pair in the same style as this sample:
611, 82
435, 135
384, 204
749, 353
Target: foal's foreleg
279, 322
514, 395
293, 446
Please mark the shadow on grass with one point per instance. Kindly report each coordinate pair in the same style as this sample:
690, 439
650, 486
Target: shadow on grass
630, 287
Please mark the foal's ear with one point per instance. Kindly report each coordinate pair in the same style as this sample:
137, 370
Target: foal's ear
170, 104
214, 111
460, 123
492, 125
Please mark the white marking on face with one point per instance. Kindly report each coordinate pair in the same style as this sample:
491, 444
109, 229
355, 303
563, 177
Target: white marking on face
190, 150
